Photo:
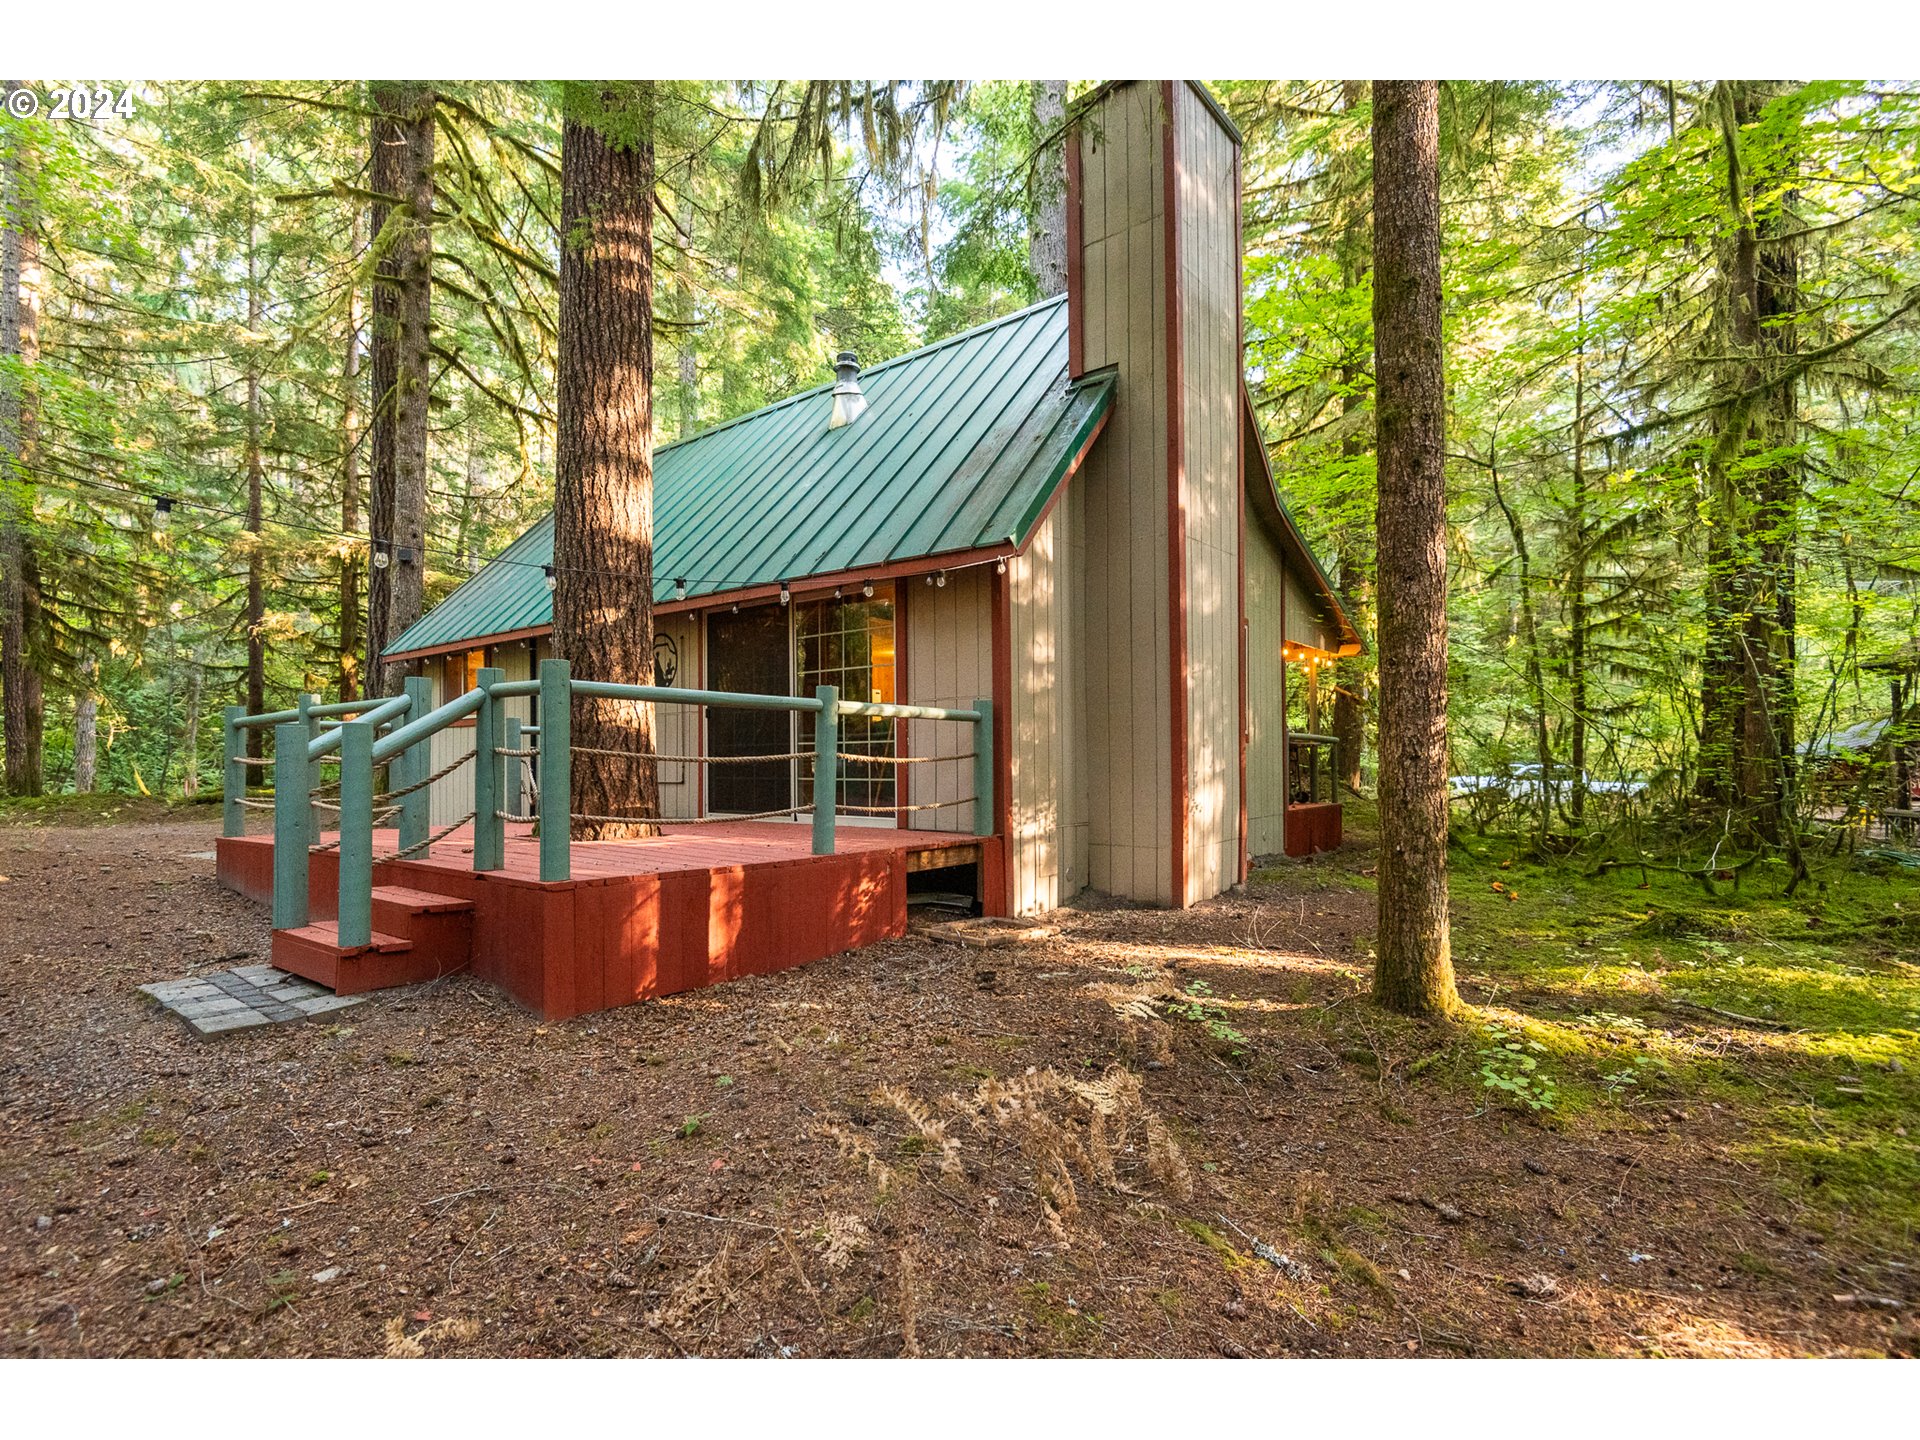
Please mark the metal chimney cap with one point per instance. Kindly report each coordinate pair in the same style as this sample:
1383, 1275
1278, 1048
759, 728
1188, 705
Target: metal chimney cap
848, 402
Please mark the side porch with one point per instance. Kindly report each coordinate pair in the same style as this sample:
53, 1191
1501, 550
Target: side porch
637, 919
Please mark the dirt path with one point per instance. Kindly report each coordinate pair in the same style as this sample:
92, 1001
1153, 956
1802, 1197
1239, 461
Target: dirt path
910, 1149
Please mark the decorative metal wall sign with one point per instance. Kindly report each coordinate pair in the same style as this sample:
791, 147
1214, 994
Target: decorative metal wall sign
666, 659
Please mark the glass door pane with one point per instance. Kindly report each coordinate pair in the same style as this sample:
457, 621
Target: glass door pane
849, 643
748, 652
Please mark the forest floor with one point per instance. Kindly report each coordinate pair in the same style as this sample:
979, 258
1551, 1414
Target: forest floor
1153, 1133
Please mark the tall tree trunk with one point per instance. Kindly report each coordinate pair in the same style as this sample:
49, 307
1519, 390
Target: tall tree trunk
20, 680
1748, 673
684, 311
1047, 230
1414, 970
190, 741
1356, 580
1578, 610
603, 506
402, 312
1536, 672
256, 486
86, 730
350, 568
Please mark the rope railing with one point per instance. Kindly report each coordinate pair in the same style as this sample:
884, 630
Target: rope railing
433, 839
398, 732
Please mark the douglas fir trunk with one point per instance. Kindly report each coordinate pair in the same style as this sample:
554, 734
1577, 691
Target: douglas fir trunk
1414, 973
402, 305
603, 510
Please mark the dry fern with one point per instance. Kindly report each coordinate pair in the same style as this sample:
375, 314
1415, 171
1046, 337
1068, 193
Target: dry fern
402, 1346
931, 1127
844, 1236
705, 1285
858, 1147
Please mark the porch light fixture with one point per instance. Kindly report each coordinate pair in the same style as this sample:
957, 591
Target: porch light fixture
547, 570
848, 402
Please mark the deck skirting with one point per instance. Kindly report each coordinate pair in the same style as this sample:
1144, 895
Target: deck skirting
641, 919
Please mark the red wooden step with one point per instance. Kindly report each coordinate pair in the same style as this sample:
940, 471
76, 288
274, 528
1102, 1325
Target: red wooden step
315, 951
440, 927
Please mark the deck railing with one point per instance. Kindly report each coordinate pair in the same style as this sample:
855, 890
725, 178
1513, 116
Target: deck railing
397, 733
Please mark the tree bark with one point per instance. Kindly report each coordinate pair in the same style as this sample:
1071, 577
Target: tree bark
1356, 580
1748, 681
256, 485
603, 508
1414, 968
684, 311
86, 731
402, 311
22, 710
1047, 230
350, 567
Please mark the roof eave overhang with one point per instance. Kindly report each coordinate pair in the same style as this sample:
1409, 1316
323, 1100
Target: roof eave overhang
1265, 493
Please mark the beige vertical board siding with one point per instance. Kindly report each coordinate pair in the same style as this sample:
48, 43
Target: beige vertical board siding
949, 664
1128, 745
1207, 247
1072, 546
1045, 803
676, 728
452, 795
1267, 745
1307, 623
515, 659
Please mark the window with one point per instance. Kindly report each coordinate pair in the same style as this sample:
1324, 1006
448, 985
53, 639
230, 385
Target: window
850, 644
461, 674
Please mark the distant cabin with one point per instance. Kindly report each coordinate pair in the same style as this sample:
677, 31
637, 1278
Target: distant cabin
1068, 510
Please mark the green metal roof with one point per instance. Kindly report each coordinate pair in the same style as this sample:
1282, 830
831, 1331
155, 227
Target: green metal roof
960, 448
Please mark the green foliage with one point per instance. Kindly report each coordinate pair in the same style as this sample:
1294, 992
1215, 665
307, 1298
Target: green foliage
1510, 1066
1197, 1005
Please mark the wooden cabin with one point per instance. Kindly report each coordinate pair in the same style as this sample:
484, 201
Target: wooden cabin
1068, 510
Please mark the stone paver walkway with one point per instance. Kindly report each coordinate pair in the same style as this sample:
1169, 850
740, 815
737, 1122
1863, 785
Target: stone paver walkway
245, 999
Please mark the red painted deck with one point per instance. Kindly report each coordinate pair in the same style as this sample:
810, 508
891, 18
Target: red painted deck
1311, 828
640, 918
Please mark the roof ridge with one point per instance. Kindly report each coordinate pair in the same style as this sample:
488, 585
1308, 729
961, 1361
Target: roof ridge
824, 386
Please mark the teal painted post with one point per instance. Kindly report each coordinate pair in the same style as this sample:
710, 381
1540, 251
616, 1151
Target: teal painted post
316, 817
412, 765
233, 788
983, 808
290, 789
515, 739
356, 833
489, 830
556, 770
826, 767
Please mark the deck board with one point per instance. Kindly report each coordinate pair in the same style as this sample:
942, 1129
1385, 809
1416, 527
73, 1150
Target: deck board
680, 848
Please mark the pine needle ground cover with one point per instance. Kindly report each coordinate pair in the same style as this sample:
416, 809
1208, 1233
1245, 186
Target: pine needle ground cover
1149, 1134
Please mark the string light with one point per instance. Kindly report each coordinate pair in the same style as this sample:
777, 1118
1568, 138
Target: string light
551, 580
680, 589
786, 595
162, 511
866, 590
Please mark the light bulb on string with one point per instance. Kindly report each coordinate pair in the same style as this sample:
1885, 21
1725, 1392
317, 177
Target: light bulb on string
552, 581
162, 512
